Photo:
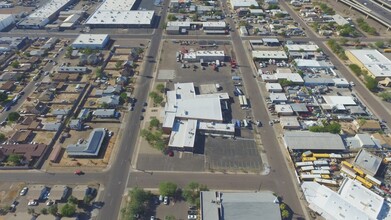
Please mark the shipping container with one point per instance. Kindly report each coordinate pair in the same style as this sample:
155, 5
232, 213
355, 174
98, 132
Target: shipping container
326, 182
321, 163
304, 176
307, 154
305, 159
348, 171
321, 155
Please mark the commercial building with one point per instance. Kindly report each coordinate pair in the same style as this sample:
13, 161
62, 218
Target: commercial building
92, 41
376, 64
352, 201
313, 64
43, 15
338, 102
305, 140
185, 110
267, 55
6, 20
235, 4
12, 43
114, 13
368, 162
204, 56
302, 47
90, 147
239, 205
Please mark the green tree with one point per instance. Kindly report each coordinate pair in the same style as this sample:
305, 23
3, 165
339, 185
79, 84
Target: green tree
379, 44
72, 200
285, 214
169, 217
371, 83
160, 87
3, 96
285, 82
386, 96
253, 7
31, 211
2, 137
154, 122
168, 188
15, 64
192, 192
44, 211
99, 73
356, 69
172, 17
68, 210
123, 97
53, 209
118, 65
104, 105
14, 159
137, 204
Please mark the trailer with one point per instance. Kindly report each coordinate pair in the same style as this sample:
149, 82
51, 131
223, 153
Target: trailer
301, 164
320, 172
326, 182
364, 182
359, 171
321, 163
348, 172
307, 168
325, 168
373, 180
304, 176
305, 159
307, 154
347, 164
321, 155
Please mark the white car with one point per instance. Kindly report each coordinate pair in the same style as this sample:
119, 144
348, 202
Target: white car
24, 191
165, 202
32, 203
352, 83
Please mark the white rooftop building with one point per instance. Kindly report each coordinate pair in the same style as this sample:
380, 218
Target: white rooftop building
204, 55
43, 15
353, 201
378, 65
235, 4
302, 47
184, 112
316, 64
113, 13
93, 41
267, 55
6, 20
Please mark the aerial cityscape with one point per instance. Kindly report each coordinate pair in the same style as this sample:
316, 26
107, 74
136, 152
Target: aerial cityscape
195, 109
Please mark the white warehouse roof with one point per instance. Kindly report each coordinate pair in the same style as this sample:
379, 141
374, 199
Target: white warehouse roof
374, 61
48, 9
90, 39
331, 205
339, 100
304, 47
243, 3
305, 140
262, 54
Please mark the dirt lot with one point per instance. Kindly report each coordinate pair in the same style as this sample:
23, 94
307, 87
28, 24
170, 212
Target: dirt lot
44, 137
105, 153
66, 96
9, 191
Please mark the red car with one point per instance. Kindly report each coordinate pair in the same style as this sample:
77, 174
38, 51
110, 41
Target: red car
170, 153
79, 172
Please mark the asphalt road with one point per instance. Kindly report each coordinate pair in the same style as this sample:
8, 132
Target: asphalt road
376, 9
365, 95
120, 168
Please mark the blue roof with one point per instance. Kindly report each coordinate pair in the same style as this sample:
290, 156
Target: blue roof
92, 145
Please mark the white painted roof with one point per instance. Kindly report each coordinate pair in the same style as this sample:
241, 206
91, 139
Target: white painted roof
361, 197
121, 17
378, 64
284, 108
91, 39
264, 54
339, 100
294, 77
48, 9
273, 86
278, 97
243, 3
304, 47
183, 133
211, 126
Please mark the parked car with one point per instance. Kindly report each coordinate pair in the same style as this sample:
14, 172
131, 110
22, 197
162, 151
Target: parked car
24, 191
165, 201
161, 198
78, 172
32, 203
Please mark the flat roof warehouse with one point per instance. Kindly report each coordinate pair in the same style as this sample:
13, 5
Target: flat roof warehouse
119, 12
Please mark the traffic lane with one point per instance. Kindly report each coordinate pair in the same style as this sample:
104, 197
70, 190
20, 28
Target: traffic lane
118, 172
268, 137
377, 9
38, 177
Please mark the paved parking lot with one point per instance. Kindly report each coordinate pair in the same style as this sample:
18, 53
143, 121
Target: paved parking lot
232, 155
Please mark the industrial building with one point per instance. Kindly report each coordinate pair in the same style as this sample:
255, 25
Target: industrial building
44, 15
186, 112
210, 27
113, 13
267, 55
204, 56
92, 41
6, 20
235, 4
239, 205
302, 47
89, 147
313, 64
306, 140
376, 64
352, 201
367, 162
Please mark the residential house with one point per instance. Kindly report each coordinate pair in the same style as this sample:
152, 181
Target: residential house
39, 109
76, 124
46, 96
30, 152
8, 86
21, 137
104, 113
111, 101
